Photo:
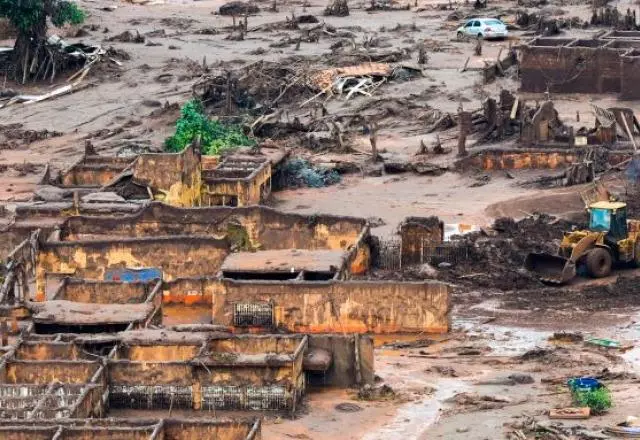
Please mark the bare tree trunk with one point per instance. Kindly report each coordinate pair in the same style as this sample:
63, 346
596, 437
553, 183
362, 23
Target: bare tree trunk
28, 52
464, 123
373, 139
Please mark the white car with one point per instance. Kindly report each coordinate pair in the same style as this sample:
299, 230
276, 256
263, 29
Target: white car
482, 28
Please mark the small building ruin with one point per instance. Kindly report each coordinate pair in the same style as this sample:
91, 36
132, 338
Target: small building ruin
180, 179
607, 64
133, 429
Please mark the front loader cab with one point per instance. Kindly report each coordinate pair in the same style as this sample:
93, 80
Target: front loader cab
609, 217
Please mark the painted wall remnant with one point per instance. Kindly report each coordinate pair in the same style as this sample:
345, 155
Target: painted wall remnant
174, 178
129, 275
511, 159
177, 256
340, 306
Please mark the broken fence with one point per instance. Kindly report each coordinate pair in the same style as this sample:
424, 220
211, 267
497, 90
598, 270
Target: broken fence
390, 254
210, 398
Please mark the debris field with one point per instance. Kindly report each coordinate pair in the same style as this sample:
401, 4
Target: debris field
319, 219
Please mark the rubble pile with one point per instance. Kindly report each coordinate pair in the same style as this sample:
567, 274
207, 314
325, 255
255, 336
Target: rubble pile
13, 136
496, 256
257, 88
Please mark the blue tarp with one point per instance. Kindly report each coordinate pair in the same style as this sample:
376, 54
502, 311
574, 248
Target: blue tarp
133, 275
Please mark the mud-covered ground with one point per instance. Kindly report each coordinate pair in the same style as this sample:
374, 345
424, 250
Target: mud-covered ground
457, 388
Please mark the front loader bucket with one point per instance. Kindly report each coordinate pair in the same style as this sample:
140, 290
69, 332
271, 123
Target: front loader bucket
550, 268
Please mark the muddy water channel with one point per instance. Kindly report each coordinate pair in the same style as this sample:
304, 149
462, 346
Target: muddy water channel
476, 362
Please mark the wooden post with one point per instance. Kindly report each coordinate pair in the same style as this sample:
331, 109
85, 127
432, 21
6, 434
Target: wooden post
373, 139
356, 341
228, 101
4, 333
76, 201
464, 122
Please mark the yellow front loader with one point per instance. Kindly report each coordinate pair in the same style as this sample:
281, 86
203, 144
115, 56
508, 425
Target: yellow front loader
610, 240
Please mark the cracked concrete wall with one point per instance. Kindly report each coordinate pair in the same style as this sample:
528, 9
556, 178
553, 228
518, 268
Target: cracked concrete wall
188, 291
88, 434
341, 306
257, 345
21, 434
158, 353
172, 429
630, 77
227, 431
184, 374
47, 351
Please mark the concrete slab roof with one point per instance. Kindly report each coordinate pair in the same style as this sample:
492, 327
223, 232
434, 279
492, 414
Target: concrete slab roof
285, 260
74, 313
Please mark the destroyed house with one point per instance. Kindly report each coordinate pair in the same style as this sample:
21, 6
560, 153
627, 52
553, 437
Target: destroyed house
132, 429
85, 306
18, 224
257, 372
93, 171
186, 243
257, 267
237, 181
608, 64
78, 376
52, 379
180, 179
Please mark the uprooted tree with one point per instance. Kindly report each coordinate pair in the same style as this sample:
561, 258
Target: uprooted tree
29, 17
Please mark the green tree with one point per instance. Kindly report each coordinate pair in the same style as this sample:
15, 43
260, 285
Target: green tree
29, 17
215, 137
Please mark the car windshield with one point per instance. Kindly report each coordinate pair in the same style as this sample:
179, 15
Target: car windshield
494, 22
600, 219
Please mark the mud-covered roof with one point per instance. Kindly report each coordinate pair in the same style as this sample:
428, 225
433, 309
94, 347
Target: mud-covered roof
163, 337
285, 260
74, 313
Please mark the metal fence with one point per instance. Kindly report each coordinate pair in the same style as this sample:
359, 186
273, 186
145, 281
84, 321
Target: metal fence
253, 315
447, 252
150, 397
211, 397
254, 398
38, 401
390, 254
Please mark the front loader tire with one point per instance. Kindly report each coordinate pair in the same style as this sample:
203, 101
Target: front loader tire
599, 262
